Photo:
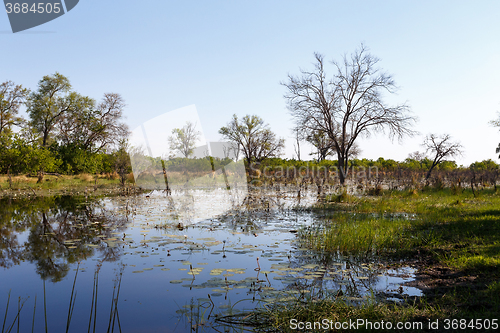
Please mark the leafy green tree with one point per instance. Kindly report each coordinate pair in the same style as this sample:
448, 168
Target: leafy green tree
94, 128
388, 164
183, 140
12, 157
253, 136
123, 165
11, 98
49, 103
44, 159
485, 165
72, 127
322, 143
21, 156
77, 160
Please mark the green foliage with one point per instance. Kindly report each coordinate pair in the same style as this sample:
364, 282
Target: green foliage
484, 165
77, 160
195, 164
11, 160
122, 162
19, 156
183, 140
253, 137
11, 98
47, 105
387, 164
67, 132
380, 163
41, 158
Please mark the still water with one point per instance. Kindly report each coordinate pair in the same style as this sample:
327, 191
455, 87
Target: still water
140, 264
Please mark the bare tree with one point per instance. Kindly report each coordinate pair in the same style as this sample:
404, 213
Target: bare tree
348, 106
296, 146
183, 140
253, 137
11, 98
231, 150
440, 147
417, 156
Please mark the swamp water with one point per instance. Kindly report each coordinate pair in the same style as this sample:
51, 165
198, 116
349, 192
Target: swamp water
133, 264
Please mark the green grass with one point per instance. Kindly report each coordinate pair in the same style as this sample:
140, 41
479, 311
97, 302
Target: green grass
358, 234
463, 230
282, 316
451, 230
23, 186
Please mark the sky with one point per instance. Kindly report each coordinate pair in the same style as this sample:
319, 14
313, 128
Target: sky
229, 57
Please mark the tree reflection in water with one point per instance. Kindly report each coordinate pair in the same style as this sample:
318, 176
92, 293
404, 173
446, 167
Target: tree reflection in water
60, 231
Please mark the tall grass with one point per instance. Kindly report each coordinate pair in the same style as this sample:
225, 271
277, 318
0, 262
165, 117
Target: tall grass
455, 231
281, 316
365, 234
460, 230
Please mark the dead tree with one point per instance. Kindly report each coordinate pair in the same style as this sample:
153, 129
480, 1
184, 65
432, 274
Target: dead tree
440, 147
347, 106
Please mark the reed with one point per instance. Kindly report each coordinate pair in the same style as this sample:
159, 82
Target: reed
17, 318
6, 311
360, 235
436, 229
280, 316
113, 322
72, 300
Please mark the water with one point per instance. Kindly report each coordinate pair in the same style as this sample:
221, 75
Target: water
132, 264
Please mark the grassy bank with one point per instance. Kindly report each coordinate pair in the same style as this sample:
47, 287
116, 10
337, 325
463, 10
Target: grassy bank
24, 186
453, 237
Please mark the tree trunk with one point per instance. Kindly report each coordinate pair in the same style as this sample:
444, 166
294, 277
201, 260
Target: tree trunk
10, 177
342, 163
40, 176
472, 181
45, 138
429, 172
167, 188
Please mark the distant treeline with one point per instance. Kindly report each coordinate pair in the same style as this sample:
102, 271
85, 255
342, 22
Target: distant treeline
380, 163
377, 174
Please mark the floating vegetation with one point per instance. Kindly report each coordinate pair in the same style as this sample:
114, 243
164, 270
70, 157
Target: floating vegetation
240, 260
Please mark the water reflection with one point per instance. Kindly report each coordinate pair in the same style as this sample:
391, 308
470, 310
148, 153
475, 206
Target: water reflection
55, 232
159, 273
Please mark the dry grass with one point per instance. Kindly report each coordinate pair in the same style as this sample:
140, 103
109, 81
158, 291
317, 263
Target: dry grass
86, 177
18, 179
130, 178
112, 176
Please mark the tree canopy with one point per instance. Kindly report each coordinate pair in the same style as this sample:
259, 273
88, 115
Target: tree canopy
253, 137
12, 96
66, 132
183, 140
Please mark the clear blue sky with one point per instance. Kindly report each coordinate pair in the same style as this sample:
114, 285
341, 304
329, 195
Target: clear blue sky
229, 57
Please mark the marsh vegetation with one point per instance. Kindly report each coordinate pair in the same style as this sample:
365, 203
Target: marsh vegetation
396, 256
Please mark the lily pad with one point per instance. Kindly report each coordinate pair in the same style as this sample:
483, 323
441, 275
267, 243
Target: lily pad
176, 281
